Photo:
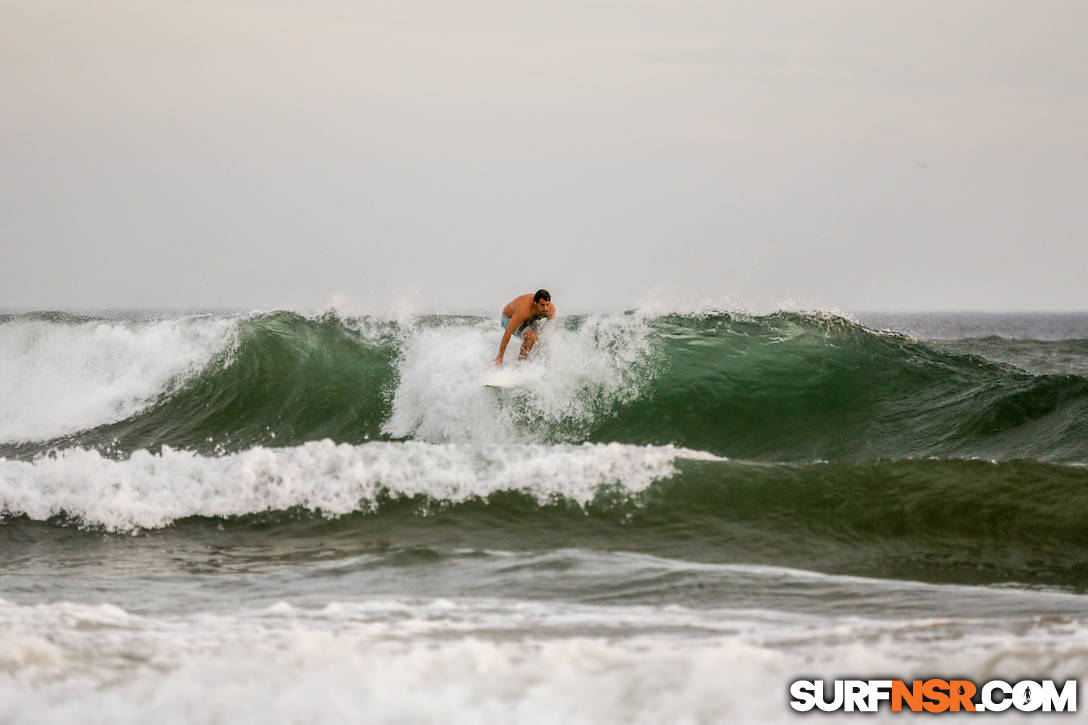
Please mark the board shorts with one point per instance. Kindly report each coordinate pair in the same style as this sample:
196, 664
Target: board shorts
528, 324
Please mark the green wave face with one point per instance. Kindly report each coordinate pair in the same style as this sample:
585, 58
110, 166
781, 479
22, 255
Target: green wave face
938, 520
286, 379
942, 521
791, 387
783, 387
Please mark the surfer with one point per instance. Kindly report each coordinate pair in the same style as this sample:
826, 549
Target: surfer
520, 318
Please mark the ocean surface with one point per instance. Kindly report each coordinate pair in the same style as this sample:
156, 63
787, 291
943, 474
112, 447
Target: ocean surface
276, 518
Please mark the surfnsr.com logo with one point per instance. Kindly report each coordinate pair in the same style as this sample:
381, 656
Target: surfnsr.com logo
933, 695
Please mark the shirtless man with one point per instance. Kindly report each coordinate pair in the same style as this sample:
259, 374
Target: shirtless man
520, 316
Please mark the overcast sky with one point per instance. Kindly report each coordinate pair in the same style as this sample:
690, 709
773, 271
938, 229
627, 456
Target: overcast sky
896, 155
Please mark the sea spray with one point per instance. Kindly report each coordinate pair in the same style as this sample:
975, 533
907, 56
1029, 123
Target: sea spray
577, 375
61, 374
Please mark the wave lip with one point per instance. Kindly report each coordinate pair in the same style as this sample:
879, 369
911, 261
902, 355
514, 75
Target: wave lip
63, 375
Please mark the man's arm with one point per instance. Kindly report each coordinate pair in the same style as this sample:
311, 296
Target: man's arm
515, 321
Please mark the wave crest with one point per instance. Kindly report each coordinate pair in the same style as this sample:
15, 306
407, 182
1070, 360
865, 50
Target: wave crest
781, 387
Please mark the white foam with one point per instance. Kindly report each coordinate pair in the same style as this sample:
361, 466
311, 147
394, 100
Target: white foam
572, 378
60, 378
151, 490
481, 661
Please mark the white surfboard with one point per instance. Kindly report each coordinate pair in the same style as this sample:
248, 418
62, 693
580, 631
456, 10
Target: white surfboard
503, 378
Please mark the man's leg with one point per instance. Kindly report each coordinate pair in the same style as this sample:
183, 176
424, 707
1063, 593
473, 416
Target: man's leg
528, 339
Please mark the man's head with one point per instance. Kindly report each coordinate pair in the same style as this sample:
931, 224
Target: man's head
541, 299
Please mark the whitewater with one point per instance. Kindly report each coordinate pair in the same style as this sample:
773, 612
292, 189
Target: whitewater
280, 517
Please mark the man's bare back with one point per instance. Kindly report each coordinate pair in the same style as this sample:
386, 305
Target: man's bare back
518, 317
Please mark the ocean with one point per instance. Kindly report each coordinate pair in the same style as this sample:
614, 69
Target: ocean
272, 517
